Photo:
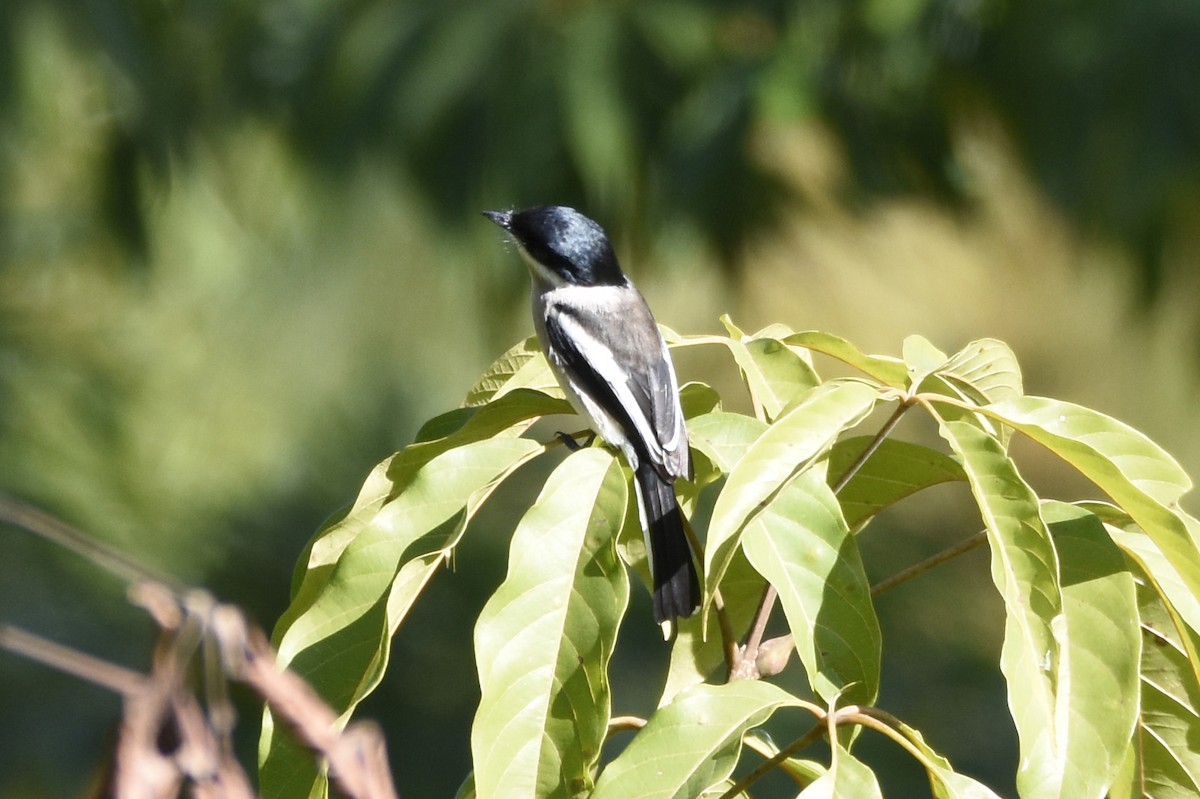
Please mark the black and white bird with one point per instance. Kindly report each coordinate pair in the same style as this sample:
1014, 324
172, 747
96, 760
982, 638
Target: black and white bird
610, 359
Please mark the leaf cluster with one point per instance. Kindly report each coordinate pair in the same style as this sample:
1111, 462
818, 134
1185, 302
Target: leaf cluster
1101, 599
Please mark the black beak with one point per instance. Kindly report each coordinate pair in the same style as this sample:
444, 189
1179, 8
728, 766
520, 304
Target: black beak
501, 218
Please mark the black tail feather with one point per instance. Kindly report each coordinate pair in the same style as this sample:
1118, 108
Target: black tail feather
676, 585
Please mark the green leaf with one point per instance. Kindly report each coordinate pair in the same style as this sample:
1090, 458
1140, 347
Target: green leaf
698, 399
986, 370
894, 471
509, 414
691, 744
887, 370
847, 778
362, 576
944, 781
1098, 680
1182, 605
775, 374
921, 357
1163, 761
1025, 570
1109, 452
523, 366
803, 432
724, 437
1134, 471
544, 639
694, 656
801, 544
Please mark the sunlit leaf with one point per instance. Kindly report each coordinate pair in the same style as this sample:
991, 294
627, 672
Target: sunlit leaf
894, 471
987, 369
803, 432
1163, 761
1098, 681
887, 370
1134, 471
523, 366
724, 437
543, 641
336, 631
921, 357
801, 544
775, 372
691, 744
944, 781
1025, 570
847, 778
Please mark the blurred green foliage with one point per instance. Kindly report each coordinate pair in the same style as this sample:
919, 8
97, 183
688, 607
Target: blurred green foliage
240, 259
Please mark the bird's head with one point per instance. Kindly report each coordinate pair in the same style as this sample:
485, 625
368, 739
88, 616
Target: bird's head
562, 246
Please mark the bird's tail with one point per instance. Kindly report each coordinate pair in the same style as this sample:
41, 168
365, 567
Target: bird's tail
676, 585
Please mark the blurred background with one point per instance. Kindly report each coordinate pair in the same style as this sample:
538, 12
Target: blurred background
241, 261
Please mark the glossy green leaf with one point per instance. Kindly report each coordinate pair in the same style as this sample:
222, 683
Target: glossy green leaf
1134, 471
509, 414
847, 778
1158, 574
887, 370
543, 641
986, 369
523, 366
1098, 680
944, 781
801, 544
692, 744
724, 437
775, 374
1025, 570
803, 432
696, 657
355, 592
1163, 761
894, 471
921, 357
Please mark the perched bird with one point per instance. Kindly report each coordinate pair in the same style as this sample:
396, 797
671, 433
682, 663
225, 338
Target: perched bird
605, 349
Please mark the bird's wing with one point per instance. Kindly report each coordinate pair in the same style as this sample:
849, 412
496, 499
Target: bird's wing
621, 361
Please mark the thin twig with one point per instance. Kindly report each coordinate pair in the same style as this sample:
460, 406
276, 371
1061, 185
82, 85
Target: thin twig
112, 560
876, 442
71, 661
772, 762
745, 668
932, 562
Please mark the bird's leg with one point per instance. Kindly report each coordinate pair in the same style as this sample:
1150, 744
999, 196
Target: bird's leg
570, 443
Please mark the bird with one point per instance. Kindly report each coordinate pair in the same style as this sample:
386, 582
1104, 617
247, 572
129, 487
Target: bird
605, 349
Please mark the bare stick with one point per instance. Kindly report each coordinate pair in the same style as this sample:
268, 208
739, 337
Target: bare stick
71, 661
40, 523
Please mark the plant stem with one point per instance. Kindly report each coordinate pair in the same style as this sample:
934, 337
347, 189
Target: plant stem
783, 754
876, 442
770, 596
932, 562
